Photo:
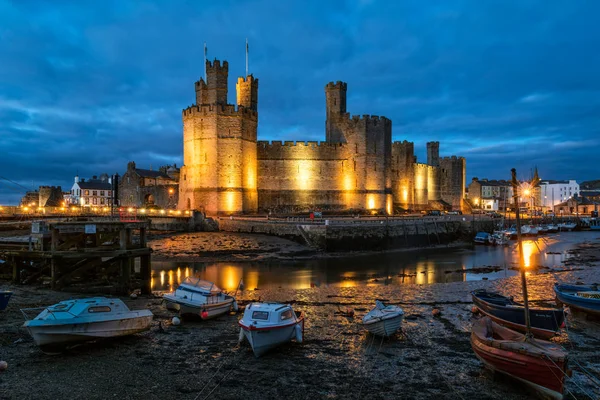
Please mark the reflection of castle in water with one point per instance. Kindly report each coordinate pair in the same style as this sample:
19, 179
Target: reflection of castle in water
367, 271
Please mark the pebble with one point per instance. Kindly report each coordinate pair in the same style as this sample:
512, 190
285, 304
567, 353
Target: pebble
3, 365
176, 321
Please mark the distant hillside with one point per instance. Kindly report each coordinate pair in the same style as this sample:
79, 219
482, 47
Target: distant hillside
590, 185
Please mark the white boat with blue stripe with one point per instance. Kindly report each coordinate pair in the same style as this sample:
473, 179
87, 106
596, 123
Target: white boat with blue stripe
202, 298
383, 320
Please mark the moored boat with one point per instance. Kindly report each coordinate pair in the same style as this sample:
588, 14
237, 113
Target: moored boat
74, 321
545, 323
481, 238
195, 296
552, 228
567, 226
4, 298
595, 224
582, 297
268, 325
383, 320
540, 364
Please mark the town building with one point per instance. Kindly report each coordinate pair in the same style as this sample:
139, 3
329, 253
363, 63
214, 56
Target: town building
147, 188
45, 196
576, 205
491, 195
358, 167
95, 192
553, 192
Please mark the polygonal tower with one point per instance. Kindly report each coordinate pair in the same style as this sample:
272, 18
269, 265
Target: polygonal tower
335, 100
219, 147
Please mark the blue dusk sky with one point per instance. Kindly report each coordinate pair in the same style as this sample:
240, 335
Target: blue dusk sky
86, 87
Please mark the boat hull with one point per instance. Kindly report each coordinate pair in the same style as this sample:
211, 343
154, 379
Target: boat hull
202, 310
544, 323
264, 339
523, 361
567, 294
50, 333
385, 327
4, 299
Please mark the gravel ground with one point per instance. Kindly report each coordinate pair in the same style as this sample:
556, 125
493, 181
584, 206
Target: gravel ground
432, 358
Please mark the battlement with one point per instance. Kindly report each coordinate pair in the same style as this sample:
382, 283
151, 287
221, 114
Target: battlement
452, 158
337, 85
217, 109
50, 188
403, 143
365, 118
216, 64
249, 78
200, 84
275, 144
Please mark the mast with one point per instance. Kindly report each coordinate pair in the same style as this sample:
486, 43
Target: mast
515, 185
246, 57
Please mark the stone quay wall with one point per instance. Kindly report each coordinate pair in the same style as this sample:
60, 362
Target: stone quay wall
364, 234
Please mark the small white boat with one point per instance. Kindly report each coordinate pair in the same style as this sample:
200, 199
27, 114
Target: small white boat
567, 226
383, 320
80, 320
199, 297
552, 228
268, 325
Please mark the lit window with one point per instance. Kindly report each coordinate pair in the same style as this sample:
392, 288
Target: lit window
87, 192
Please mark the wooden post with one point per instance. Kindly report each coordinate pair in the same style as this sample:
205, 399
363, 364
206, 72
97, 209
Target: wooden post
15, 270
145, 265
53, 266
124, 240
146, 274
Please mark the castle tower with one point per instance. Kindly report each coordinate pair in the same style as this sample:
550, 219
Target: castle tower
433, 154
219, 146
335, 100
247, 92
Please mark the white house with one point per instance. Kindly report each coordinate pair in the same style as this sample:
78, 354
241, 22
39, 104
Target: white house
556, 192
93, 192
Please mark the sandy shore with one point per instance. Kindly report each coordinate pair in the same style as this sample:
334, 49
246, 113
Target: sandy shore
338, 360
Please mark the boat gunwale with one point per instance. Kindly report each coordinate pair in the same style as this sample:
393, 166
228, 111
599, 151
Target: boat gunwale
298, 320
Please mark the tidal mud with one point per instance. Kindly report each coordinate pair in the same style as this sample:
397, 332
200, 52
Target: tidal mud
430, 359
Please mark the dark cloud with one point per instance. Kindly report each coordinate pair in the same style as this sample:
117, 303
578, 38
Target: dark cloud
506, 84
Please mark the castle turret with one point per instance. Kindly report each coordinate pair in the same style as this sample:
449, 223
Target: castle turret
433, 154
247, 92
335, 98
219, 146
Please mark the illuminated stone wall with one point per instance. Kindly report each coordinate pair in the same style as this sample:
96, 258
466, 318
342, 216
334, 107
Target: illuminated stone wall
453, 172
219, 142
357, 167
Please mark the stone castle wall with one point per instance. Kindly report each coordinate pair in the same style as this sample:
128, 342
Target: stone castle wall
358, 167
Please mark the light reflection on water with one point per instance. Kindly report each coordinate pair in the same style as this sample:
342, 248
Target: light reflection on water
422, 267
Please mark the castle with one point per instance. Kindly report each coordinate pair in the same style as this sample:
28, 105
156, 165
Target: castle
358, 167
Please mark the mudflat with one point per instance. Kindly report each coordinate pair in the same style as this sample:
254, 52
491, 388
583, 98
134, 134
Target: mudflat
431, 358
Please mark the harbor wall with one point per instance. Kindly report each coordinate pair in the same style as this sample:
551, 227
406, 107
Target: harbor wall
368, 235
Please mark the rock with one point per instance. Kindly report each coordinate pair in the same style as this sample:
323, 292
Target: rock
436, 312
133, 296
176, 321
3, 365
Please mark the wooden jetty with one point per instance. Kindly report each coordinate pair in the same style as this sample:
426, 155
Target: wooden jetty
82, 251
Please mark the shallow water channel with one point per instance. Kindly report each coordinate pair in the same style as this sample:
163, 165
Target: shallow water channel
392, 268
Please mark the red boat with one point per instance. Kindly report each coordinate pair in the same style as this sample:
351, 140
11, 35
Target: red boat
538, 363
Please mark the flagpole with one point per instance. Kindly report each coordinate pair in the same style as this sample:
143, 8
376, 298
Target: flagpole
205, 77
246, 56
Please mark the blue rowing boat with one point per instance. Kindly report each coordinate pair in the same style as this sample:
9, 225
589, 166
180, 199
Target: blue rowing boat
582, 297
545, 322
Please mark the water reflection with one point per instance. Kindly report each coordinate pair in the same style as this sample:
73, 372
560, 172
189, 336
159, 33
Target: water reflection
423, 267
